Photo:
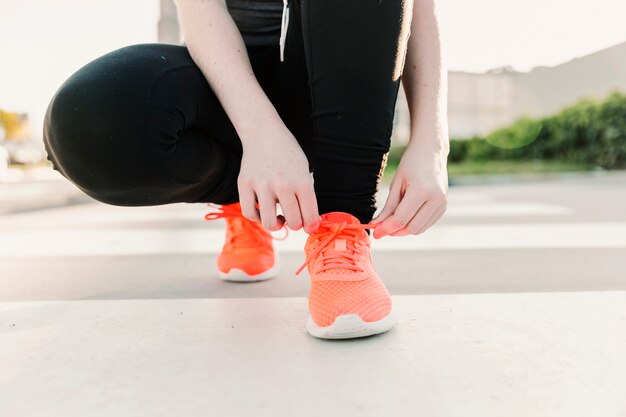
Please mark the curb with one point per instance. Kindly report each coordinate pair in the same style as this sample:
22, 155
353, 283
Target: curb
534, 177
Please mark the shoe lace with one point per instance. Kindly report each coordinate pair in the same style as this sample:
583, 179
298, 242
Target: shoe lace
330, 257
248, 233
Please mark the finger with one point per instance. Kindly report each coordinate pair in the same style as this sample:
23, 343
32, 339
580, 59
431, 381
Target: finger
267, 205
419, 220
308, 207
407, 208
425, 212
247, 200
291, 209
390, 204
433, 219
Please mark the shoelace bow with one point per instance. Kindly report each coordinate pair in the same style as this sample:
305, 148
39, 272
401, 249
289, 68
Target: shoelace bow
331, 258
258, 231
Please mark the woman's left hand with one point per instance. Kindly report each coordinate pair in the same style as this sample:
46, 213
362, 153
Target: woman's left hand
417, 195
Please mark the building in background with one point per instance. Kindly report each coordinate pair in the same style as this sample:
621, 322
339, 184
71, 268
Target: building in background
478, 103
168, 27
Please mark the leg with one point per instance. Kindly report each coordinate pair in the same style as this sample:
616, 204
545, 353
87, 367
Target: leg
141, 126
355, 54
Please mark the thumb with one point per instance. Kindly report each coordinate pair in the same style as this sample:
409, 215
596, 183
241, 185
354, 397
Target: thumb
393, 199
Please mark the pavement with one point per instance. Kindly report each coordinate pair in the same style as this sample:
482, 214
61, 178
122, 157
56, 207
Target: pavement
37, 188
514, 304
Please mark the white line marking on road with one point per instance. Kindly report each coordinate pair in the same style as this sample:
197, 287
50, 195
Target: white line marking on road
98, 214
112, 242
505, 209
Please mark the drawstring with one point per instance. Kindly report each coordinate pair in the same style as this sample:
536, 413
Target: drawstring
229, 211
283, 29
344, 258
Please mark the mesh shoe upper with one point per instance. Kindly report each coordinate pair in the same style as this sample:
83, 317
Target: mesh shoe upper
343, 280
248, 245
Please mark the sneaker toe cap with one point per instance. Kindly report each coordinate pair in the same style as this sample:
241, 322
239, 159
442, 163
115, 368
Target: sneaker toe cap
328, 300
251, 264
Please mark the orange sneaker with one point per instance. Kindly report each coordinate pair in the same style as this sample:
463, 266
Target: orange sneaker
347, 297
248, 252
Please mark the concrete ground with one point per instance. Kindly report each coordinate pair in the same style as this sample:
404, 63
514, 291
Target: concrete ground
36, 188
513, 304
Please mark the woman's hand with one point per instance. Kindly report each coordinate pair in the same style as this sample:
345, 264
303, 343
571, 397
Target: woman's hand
417, 196
275, 169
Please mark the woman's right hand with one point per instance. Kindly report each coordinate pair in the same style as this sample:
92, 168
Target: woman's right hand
275, 169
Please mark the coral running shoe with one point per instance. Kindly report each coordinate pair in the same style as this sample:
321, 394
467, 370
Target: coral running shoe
347, 297
248, 253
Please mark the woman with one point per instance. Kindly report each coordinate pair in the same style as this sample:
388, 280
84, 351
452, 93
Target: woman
261, 95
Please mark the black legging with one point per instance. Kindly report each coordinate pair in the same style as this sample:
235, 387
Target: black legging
141, 126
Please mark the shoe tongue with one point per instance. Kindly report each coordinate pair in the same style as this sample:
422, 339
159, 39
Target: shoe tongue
340, 216
340, 244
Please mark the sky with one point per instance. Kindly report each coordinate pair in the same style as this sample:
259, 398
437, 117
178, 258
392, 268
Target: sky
43, 42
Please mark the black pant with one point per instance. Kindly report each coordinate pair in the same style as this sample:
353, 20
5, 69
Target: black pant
141, 126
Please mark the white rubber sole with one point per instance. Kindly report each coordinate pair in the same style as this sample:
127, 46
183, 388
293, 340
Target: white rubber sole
237, 275
349, 326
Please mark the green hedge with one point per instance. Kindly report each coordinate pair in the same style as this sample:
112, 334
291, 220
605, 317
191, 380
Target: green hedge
590, 131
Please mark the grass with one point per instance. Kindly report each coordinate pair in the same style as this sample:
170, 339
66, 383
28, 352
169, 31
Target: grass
501, 167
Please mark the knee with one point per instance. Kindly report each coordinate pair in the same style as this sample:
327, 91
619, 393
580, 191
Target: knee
96, 123
92, 139
62, 128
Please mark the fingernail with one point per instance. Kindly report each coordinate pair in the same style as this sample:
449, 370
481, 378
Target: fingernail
378, 233
314, 227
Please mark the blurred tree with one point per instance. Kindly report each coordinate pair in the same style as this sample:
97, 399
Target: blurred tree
15, 125
591, 131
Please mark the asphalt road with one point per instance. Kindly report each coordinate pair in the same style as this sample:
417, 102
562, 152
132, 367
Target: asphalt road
566, 235
512, 304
